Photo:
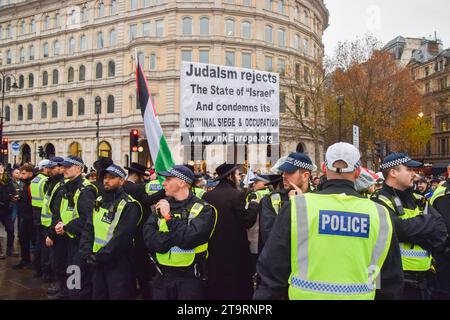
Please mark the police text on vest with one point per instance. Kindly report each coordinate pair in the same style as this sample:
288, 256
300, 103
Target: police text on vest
344, 224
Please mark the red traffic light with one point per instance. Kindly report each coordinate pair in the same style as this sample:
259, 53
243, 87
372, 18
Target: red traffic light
135, 132
134, 149
5, 140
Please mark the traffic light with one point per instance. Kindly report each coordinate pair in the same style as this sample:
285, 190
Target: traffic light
41, 152
5, 145
134, 140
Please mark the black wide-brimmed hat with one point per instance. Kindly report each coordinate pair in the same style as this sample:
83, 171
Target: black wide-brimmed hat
137, 168
102, 163
225, 170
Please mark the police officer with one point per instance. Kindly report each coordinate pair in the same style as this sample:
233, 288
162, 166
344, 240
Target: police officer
107, 240
198, 189
296, 169
76, 200
419, 228
37, 190
153, 186
441, 202
329, 245
177, 235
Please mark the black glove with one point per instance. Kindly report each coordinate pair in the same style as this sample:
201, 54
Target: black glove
92, 260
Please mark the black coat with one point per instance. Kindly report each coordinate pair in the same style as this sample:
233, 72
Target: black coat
229, 262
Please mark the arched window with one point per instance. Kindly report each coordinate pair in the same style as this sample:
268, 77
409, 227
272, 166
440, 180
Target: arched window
45, 50
112, 37
75, 149
31, 53
104, 149
7, 114
45, 78
83, 43
56, 48
246, 30
187, 26
30, 80
71, 45
43, 110
69, 108
110, 106
229, 28
99, 71
204, 26
55, 76
81, 107
100, 40
30, 112
111, 69
20, 112
21, 81
54, 109
82, 73
101, 9
70, 75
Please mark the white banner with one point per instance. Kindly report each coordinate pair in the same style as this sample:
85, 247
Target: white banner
226, 105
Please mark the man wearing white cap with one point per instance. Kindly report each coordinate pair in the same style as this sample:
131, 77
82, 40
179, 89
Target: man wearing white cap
329, 245
37, 190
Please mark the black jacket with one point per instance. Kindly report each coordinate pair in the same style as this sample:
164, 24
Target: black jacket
121, 243
25, 207
274, 276
181, 234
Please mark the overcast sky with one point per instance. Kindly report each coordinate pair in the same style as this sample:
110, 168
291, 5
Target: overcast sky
386, 19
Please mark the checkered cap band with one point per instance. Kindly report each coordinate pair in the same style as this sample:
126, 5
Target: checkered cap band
181, 176
117, 171
394, 163
300, 164
74, 162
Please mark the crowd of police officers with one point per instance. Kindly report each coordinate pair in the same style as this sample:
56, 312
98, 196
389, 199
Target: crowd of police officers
121, 234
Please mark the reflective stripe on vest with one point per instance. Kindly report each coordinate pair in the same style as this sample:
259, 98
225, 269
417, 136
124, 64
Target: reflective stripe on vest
153, 187
414, 257
339, 244
199, 192
37, 190
438, 193
275, 198
176, 256
104, 229
71, 213
46, 213
259, 194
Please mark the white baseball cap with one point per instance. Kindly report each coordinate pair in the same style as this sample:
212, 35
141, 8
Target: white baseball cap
343, 152
43, 164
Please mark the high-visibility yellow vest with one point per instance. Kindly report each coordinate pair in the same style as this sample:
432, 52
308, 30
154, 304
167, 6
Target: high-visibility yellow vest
439, 193
37, 190
105, 223
46, 212
414, 257
259, 194
69, 211
338, 246
177, 257
153, 187
275, 199
199, 192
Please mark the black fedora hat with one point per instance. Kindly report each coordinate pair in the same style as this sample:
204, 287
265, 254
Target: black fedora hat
137, 168
225, 170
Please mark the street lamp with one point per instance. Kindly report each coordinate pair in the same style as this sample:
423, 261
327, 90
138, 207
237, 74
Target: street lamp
98, 106
4, 75
340, 101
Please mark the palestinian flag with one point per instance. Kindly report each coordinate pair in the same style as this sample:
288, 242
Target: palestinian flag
159, 150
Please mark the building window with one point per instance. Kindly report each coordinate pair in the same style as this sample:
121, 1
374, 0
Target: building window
230, 58
113, 7
133, 32
71, 45
55, 76
75, 149
58, 20
22, 55
45, 78
141, 59
84, 14
269, 4
246, 30
247, 60
104, 149
20, 112
8, 57
153, 61
282, 102
146, 29
56, 48
69, 108
101, 9
229, 28
82, 73
297, 41
187, 26
111, 69
30, 112
159, 28
204, 56
306, 75
204, 26
146, 3
43, 110
298, 106
100, 40
281, 37
21, 81
269, 64
133, 4
281, 6
54, 109
31, 53
23, 29
281, 66
81, 107
268, 34
30, 80
306, 108
110, 104
7, 114
45, 50
305, 46
186, 55
83, 43
70, 75
47, 23
99, 71
32, 26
